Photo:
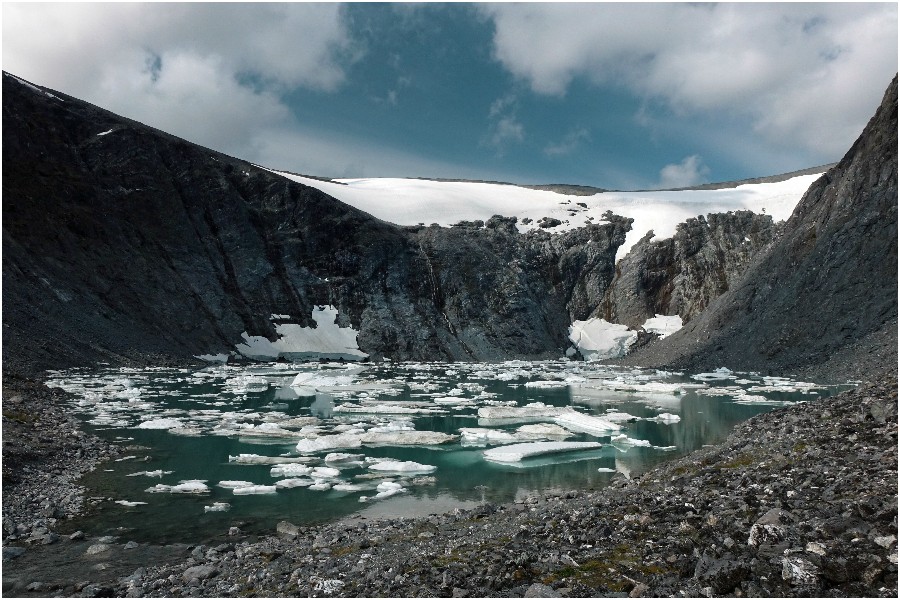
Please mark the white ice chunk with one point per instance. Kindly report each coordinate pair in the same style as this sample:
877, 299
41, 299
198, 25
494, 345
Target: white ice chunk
192, 486
342, 457
327, 378
385, 489
290, 470
325, 473
404, 467
667, 418
157, 473
485, 435
597, 339
329, 442
293, 482
542, 430
217, 507
129, 503
529, 411
577, 421
519, 452
406, 438
719, 374
256, 459
663, 325
627, 441
326, 340
231, 484
160, 424
254, 489
243, 384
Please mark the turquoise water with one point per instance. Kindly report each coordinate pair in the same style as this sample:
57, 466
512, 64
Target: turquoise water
215, 406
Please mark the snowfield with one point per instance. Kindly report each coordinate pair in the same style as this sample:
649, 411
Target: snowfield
415, 201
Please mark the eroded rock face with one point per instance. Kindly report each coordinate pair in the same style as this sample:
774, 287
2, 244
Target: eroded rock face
825, 293
683, 274
124, 243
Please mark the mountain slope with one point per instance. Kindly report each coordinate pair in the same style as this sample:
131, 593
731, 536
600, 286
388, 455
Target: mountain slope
124, 243
823, 298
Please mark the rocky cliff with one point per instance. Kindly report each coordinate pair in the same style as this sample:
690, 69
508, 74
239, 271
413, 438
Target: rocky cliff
823, 297
124, 243
681, 275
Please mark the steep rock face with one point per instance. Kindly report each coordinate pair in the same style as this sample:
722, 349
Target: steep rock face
681, 275
124, 243
827, 286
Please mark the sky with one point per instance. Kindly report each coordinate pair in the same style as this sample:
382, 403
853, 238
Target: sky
618, 96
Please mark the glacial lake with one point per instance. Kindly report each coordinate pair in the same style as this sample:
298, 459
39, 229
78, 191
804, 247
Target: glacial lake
211, 448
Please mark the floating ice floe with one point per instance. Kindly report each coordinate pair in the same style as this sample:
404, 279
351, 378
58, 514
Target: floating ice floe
519, 452
217, 507
325, 473
157, 473
605, 470
406, 438
325, 379
483, 436
190, 486
160, 424
542, 430
343, 458
534, 410
256, 459
231, 484
243, 384
577, 421
385, 489
290, 470
400, 466
254, 489
720, 374
129, 503
624, 440
547, 383
329, 442
387, 409
293, 482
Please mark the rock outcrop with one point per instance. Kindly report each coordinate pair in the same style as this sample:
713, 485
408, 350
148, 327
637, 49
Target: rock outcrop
683, 274
124, 243
823, 298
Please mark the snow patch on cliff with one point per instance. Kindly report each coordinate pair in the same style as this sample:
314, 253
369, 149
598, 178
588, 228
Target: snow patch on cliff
327, 340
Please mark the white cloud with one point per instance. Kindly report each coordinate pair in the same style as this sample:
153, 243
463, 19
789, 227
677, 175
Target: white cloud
568, 144
505, 128
189, 69
790, 68
690, 171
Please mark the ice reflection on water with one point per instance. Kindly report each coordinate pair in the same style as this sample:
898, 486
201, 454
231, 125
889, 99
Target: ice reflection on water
224, 411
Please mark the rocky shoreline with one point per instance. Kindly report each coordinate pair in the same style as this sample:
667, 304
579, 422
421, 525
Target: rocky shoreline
794, 503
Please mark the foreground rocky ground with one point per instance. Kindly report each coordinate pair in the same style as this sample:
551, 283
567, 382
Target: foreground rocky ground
797, 502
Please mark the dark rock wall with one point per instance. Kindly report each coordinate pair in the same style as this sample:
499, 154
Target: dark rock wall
827, 286
681, 275
136, 245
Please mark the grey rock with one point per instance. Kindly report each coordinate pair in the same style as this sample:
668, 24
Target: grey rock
287, 528
539, 590
11, 552
200, 572
95, 549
